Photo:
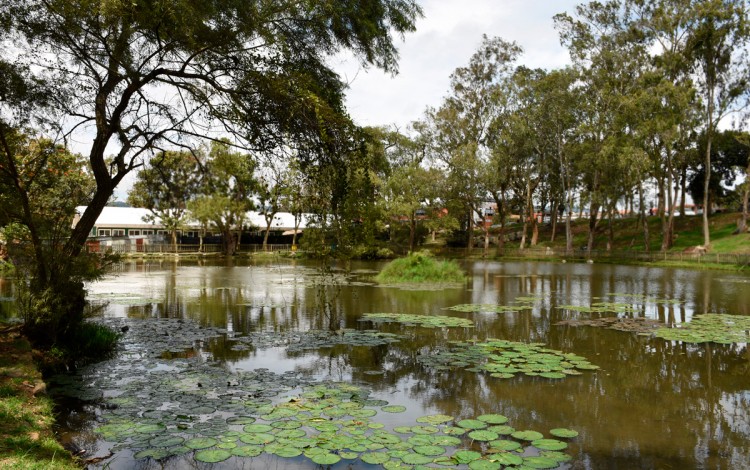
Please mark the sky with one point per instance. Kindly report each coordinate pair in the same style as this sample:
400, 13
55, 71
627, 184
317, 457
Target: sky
447, 36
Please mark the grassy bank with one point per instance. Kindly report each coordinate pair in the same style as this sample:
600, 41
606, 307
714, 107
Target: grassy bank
27, 440
628, 234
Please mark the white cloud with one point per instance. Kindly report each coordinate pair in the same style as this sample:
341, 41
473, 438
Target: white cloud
445, 38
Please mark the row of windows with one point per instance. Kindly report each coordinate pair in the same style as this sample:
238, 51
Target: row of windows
120, 232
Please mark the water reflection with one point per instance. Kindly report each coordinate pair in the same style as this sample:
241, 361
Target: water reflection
653, 404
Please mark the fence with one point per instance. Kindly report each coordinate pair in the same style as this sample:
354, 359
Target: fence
542, 253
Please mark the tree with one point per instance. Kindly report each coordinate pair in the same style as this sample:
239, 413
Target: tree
729, 160
225, 194
159, 75
718, 47
40, 186
270, 192
462, 123
165, 187
609, 64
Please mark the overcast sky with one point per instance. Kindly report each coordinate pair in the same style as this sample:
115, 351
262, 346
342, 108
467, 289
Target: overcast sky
446, 37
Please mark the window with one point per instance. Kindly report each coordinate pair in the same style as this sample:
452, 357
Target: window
148, 232
118, 232
104, 232
161, 232
134, 232
191, 234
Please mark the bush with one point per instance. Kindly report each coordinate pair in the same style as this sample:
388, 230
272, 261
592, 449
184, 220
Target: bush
421, 268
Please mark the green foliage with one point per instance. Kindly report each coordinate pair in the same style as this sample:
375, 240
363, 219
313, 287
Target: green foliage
224, 194
40, 186
421, 268
166, 186
91, 341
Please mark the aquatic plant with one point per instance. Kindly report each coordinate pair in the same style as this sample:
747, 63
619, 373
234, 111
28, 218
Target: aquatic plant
489, 308
506, 359
426, 321
710, 327
420, 267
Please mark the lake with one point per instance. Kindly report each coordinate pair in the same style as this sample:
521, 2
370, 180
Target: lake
216, 355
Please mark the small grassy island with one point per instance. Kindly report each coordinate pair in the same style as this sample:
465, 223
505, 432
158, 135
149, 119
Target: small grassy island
420, 268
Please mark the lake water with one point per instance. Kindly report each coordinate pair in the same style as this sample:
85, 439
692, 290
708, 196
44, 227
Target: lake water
651, 404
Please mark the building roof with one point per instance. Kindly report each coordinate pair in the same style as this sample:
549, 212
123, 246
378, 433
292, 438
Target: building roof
132, 217
120, 217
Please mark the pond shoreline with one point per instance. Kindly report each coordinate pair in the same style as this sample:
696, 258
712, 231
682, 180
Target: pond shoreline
27, 420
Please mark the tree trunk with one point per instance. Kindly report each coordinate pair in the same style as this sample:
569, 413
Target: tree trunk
610, 229
297, 221
412, 231
593, 223
265, 237
644, 216
470, 244
745, 200
553, 213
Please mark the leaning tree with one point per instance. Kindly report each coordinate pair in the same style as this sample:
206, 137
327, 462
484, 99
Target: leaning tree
128, 78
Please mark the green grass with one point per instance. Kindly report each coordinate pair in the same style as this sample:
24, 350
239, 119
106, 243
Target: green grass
420, 268
628, 234
26, 434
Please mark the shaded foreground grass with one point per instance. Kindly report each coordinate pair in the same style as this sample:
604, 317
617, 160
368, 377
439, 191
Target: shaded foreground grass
421, 268
27, 440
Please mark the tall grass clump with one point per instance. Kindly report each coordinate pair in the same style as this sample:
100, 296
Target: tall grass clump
421, 268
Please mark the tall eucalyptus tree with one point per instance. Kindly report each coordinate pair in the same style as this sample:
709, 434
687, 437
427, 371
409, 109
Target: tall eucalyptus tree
462, 123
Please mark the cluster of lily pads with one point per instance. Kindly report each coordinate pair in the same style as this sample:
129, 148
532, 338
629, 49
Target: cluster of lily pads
638, 325
506, 359
489, 308
710, 327
634, 303
124, 298
331, 422
425, 321
314, 339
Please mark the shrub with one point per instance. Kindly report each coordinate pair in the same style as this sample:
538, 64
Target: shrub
421, 268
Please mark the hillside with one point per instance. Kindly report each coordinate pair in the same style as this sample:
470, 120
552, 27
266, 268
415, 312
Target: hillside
628, 234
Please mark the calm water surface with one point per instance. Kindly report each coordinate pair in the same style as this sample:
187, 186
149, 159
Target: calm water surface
653, 404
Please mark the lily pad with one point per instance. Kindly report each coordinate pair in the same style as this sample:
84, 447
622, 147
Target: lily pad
200, 443
430, 450
484, 435
493, 419
527, 435
212, 455
540, 462
549, 444
434, 419
326, 459
563, 432
394, 408
471, 424
466, 456
505, 444
508, 459
156, 454
416, 459
375, 458
484, 464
